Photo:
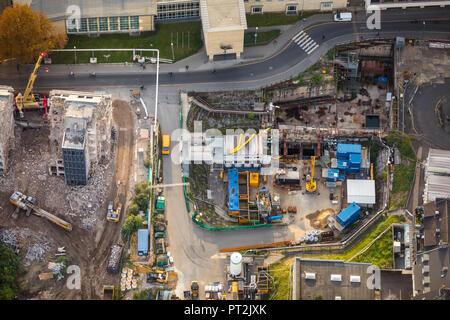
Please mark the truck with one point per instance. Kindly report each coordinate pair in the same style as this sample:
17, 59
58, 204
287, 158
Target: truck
115, 207
115, 258
194, 290
343, 16
142, 242
108, 292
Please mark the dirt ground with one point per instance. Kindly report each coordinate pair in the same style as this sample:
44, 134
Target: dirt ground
89, 242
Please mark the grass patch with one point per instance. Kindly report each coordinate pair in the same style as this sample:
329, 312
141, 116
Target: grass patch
279, 288
380, 253
276, 18
403, 173
263, 38
159, 39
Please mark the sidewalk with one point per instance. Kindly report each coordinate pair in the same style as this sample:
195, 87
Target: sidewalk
196, 62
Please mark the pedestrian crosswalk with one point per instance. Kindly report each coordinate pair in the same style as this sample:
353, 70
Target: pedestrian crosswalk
305, 42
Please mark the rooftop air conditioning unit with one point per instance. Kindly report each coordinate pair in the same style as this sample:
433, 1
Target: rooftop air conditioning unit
336, 277
310, 276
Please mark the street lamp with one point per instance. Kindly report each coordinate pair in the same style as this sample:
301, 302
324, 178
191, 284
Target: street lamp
75, 52
256, 34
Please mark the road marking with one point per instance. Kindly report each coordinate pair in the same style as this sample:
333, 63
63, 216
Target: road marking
312, 49
305, 42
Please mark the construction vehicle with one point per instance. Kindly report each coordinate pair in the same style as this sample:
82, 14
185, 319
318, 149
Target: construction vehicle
194, 290
115, 258
311, 184
28, 100
108, 292
153, 275
29, 204
234, 290
262, 281
165, 144
115, 207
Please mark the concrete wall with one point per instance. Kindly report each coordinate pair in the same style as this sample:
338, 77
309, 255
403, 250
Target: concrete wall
280, 6
146, 23
6, 126
213, 41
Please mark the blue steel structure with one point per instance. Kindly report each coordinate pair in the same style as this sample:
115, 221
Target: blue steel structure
233, 191
74, 152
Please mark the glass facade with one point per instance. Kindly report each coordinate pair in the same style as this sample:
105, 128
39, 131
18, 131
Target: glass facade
105, 24
74, 166
180, 11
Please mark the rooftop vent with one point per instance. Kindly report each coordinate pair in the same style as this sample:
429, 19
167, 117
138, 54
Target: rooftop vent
355, 279
436, 214
337, 298
310, 276
336, 277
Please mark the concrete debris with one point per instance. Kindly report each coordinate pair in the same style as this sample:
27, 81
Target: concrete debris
58, 270
37, 251
8, 238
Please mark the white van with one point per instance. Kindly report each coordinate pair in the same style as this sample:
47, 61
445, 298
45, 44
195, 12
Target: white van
343, 16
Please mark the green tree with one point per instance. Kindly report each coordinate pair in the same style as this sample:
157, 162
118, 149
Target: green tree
142, 195
251, 115
25, 33
130, 226
133, 209
9, 263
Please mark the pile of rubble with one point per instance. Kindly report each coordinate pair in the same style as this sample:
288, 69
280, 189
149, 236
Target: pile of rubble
36, 245
85, 201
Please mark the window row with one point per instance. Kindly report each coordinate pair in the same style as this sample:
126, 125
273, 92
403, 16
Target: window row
178, 15
178, 6
103, 24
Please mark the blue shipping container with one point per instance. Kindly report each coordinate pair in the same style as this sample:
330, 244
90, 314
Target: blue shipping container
355, 160
142, 242
333, 175
344, 150
233, 190
342, 164
349, 215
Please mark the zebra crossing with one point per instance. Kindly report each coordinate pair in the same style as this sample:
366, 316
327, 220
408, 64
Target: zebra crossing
305, 42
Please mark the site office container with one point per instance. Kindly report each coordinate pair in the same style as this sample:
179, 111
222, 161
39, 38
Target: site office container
142, 242
354, 160
345, 149
349, 215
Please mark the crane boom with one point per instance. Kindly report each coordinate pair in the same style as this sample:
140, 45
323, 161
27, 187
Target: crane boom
27, 100
311, 185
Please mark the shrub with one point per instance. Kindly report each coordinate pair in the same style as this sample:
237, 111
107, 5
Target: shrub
130, 226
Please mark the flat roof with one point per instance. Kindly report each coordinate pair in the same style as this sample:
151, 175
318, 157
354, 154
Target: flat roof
436, 186
323, 286
74, 133
438, 160
56, 9
219, 15
431, 272
361, 191
432, 223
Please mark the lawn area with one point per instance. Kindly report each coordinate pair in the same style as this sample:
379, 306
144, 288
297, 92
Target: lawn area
279, 289
403, 173
159, 39
277, 18
263, 38
380, 253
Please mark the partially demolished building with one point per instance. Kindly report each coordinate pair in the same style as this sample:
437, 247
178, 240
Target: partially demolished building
80, 133
6, 125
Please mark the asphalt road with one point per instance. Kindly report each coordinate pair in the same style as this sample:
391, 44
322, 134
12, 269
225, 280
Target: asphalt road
281, 66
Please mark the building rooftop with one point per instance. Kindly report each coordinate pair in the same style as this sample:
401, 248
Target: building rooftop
438, 161
436, 186
323, 280
219, 15
430, 274
74, 133
361, 191
434, 222
56, 9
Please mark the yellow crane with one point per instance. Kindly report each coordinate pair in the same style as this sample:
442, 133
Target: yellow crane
27, 100
311, 184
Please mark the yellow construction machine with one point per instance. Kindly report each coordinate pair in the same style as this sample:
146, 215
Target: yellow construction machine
152, 274
311, 184
28, 100
115, 207
29, 204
